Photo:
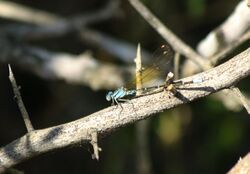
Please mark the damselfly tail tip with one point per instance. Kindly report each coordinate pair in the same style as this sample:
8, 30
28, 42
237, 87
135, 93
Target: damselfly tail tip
198, 80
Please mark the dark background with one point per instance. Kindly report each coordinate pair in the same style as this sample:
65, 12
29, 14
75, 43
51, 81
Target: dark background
201, 137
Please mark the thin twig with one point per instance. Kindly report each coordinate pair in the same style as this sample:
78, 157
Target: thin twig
50, 25
144, 165
138, 70
231, 47
19, 100
119, 48
143, 159
94, 143
234, 104
81, 69
245, 102
176, 65
23, 13
169, 36
227, 33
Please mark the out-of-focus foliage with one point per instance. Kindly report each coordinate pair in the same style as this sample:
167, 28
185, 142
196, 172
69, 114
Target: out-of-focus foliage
196, 8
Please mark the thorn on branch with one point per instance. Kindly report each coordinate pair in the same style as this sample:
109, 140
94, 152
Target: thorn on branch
138, 70
18, 98
94, 143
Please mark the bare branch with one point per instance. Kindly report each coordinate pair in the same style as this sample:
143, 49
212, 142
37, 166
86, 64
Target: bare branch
76, 69
234, 104
143, 159
222, 41
58, 26
123, 50
19, 100
50, 25
94, 143
242, 98
144, 165
227, 33
106, 120
176, 65
169, 36
230, 48
22, 13
138, 70
242, 166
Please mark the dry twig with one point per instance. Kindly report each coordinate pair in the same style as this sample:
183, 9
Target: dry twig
77, 69
176, 65
230, 48
143, 159
138, 70
121, 49
227, 33
50, 25
243, 99
94, 143
169, 36
19, 100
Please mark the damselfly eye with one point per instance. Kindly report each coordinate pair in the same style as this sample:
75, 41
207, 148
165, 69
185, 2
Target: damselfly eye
108, 96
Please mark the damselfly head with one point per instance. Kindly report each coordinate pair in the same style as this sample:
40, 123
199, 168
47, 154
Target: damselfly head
108, 95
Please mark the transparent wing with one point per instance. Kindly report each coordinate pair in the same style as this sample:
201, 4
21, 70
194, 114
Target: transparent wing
159, 66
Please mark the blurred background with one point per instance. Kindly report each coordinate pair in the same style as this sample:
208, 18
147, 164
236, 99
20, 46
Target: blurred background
205, 136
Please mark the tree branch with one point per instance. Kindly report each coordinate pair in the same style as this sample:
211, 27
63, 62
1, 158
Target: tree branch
106, 120
229, 48
242, 99
47, 24
222, 36
14, 11
242, 166
181, 47
169, 36
75, 69
122, 49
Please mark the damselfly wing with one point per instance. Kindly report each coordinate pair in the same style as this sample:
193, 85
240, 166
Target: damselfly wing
152, 75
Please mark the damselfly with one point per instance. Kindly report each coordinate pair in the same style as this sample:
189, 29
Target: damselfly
120, 94
161, 62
